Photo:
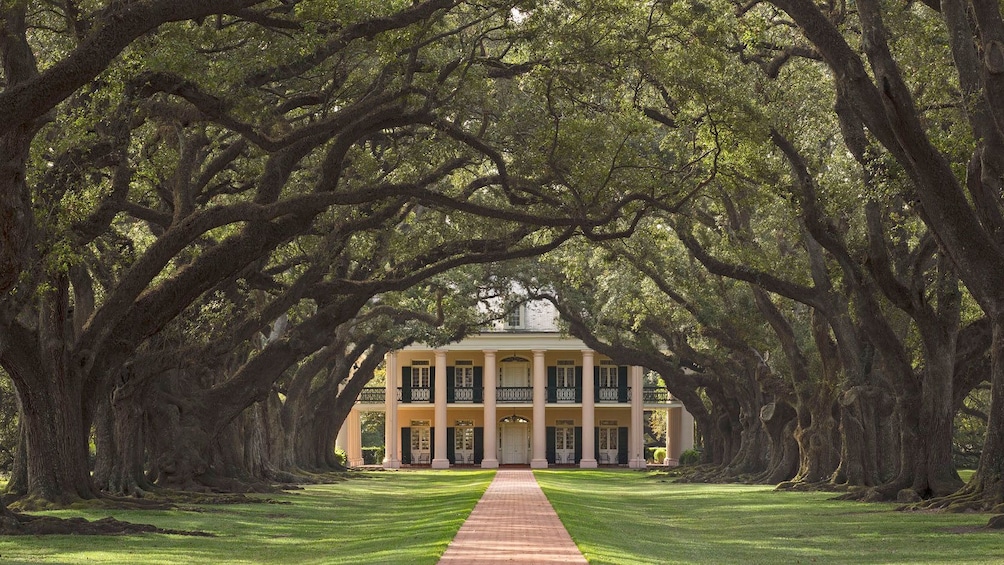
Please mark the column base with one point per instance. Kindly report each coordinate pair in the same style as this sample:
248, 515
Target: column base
538, 463
637, 464
440, 463
588, 464
356, 462
489, 463
391, 464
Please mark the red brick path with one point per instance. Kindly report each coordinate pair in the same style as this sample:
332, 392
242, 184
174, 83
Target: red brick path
512, 523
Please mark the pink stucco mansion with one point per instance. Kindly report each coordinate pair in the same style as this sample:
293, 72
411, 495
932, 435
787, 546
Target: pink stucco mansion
520, 393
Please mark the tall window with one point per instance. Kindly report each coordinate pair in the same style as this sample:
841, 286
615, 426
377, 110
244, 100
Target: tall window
464, 439
421, 439
420, 374
566, 374
463, 375
608, 439
564, 435
608, 376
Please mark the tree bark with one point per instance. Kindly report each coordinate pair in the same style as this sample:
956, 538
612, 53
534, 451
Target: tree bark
779, 420
887, 109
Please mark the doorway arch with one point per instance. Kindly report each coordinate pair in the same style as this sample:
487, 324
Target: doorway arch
514, 440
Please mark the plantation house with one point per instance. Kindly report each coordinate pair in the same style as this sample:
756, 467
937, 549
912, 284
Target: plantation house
515, 395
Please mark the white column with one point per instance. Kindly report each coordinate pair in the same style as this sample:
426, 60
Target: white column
686, 430
669, 443
354, 451
439, 460
539, 460
490, 460
392, 455
636, 447
588, 460
342, 439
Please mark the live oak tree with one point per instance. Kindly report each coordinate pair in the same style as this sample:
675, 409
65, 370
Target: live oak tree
351, 156
954, 192
183, 237
37, 77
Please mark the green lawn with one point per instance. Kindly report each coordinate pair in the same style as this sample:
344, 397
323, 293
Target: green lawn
634, 517
615, 516
380, 517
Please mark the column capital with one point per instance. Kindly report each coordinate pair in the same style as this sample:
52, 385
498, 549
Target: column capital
489, 351
588, 353
440, 352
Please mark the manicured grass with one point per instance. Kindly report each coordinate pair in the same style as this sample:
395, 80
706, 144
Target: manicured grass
631, 517
379, 517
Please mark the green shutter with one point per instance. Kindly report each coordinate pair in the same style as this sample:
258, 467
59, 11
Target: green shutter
552, 384
432, 384
622, 383
451, 385
451, 445
578, 387
406, 446
479, 445
405, 384
578, 443
479, 385
551, 449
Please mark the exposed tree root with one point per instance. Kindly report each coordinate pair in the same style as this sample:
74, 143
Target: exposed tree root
961, 501
108, 502
810, 486
15, 524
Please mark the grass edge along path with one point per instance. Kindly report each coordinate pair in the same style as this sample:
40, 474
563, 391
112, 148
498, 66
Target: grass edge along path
377, 517
632, 517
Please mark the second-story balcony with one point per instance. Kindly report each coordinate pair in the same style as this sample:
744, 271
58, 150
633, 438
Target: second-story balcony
520, 394
611, 394
523, 395
656, 395
417, 394
462, 394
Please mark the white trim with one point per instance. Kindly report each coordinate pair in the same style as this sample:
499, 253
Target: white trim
500, 341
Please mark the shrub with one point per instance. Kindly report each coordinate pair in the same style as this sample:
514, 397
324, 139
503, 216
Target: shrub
373, 455
659, 455
343, 460
690, 457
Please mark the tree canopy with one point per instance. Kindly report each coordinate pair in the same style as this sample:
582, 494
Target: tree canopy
215, 219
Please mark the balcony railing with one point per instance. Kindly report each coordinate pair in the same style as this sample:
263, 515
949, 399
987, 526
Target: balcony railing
650, 395
564, 394
655, 395
419, 394
514, 394
607, 394
463, 394
373, 395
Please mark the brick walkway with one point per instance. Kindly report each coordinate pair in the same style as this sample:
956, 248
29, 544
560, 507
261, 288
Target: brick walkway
512, 523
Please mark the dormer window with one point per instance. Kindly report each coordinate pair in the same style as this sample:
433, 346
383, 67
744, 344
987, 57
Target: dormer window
514, 319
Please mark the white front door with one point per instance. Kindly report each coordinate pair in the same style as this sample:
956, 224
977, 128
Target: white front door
514, 439
564, 444
608, 445
420, 445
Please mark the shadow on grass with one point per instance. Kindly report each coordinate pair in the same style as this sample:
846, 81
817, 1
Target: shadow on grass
380, 517
625, 517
